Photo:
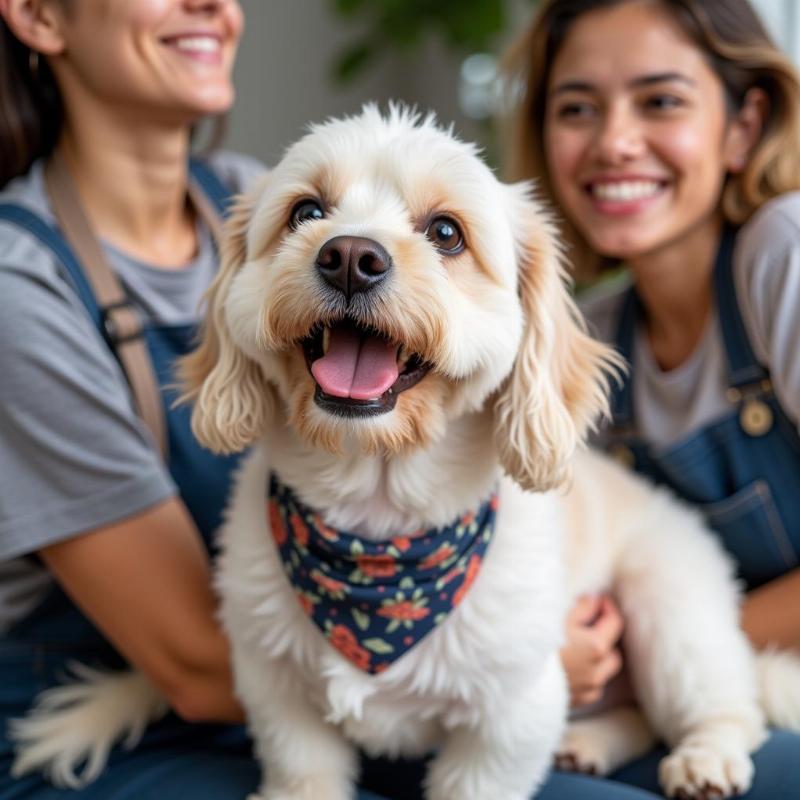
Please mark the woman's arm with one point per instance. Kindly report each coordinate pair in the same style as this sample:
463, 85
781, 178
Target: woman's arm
145, 582
771, 613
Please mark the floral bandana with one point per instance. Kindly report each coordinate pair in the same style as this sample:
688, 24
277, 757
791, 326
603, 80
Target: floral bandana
375, 600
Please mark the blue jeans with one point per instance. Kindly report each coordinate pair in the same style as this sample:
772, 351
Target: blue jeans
777, 776
172, 762
209, 773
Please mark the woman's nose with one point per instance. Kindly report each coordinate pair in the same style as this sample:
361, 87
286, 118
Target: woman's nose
620, 137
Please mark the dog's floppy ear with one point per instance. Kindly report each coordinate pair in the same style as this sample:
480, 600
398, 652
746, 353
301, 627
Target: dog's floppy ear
232, 398
559, 382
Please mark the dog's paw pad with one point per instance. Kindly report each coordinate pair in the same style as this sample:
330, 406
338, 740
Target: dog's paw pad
569, 761
701, 773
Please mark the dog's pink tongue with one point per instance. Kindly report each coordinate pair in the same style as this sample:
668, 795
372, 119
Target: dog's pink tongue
354, 366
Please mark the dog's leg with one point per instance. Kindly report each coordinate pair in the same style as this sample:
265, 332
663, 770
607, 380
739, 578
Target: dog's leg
507, 754
779, 681
599, 744
691, 665
304, 757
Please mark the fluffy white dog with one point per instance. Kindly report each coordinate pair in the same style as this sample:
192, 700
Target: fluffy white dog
392, 329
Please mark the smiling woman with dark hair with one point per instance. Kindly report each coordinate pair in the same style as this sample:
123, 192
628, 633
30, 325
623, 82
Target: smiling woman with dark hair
106, 249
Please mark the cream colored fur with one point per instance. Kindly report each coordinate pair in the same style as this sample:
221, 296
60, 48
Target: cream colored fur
514, 387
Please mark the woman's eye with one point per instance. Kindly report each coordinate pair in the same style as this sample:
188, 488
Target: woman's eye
575, 110
305, 210
445, 235
663, 102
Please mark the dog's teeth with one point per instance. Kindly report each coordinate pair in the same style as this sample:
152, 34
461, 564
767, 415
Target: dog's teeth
326, 338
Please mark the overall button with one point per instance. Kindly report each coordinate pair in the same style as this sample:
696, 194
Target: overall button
756, 418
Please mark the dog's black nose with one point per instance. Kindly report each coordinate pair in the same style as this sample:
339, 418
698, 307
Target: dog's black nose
353, 264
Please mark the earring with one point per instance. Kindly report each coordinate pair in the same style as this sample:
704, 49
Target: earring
33, 63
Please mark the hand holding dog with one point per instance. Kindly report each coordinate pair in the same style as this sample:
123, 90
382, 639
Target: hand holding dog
591, 656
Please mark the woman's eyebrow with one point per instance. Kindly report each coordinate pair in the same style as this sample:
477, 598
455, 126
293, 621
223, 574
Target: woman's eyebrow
643, 80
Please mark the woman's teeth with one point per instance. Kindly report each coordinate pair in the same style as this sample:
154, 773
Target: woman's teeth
623, 191
197, 44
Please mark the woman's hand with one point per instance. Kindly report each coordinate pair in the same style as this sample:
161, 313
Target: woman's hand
591, 656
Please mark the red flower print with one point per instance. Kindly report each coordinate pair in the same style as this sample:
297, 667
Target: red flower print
473, 568
437, 556
378, 566
324, 531
450, 575
494, 502
344, 640
300, 530
306, 602
402, 543
334, 588
403, 610
276, 523
468, 519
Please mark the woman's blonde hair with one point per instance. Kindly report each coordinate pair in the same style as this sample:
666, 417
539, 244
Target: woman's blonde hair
741, 53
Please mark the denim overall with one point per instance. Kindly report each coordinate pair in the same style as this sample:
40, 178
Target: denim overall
743, 469
36, 652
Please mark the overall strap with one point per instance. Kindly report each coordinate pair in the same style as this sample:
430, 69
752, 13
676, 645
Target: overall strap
27, 220
98, 287
744, 368
211, 197
119, 320
212, 188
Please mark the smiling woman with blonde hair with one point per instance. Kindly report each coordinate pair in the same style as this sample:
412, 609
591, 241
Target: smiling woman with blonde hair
666, 134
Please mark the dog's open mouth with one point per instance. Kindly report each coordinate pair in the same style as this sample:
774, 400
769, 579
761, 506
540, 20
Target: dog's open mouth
359, 372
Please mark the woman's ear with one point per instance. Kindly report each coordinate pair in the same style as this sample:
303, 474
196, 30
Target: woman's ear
559, 382
36, 23
232, 397
745, 129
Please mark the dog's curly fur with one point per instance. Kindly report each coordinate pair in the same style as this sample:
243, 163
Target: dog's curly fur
514, 386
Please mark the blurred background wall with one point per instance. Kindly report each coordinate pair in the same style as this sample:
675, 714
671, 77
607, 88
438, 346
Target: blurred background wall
286, 73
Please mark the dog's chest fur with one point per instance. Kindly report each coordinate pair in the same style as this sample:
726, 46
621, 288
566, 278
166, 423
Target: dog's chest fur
501, 634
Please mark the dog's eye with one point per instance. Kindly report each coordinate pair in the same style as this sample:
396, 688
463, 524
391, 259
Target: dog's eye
305, 210
445, 235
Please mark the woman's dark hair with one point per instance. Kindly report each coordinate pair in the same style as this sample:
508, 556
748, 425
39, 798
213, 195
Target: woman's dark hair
740, 52
31, 114
31, 110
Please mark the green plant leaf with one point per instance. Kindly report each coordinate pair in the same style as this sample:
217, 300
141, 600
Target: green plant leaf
353, 61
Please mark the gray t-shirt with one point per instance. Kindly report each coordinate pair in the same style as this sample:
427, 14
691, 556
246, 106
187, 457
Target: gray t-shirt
671, 405
73, 454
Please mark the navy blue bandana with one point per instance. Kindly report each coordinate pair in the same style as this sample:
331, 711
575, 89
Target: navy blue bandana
375, 600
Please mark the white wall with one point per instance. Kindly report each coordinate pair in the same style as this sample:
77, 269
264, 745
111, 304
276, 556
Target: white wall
282, 76
783, 19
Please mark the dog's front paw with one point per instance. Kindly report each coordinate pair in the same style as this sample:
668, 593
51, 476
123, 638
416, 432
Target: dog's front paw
704, 773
